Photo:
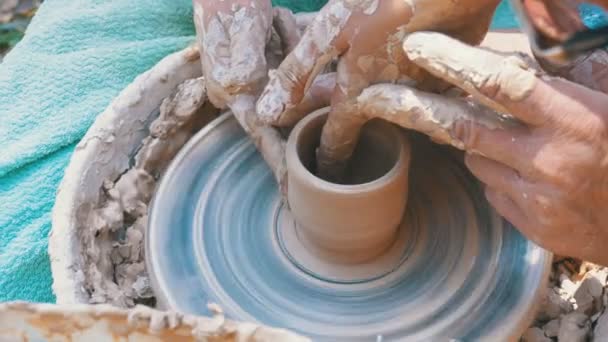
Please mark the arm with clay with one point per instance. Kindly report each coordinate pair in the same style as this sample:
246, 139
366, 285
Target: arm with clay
366, 35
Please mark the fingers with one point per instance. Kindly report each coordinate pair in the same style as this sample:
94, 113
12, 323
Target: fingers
508, 145
504, 84
285, 24
317, 97
499, 177
557, 20
338, 141
304, 19
266, 139
317, 47
341, 131
233, 43
507, 193
508, 209
464, 125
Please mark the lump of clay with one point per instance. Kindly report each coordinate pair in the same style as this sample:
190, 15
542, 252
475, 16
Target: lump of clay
551, 329
135, 190
575, 327
115, 268
554, 306
588, 296
180, 117
535, 335
600, 333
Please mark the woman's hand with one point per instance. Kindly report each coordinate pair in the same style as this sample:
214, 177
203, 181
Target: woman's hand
366, 35
549, 176
233, 35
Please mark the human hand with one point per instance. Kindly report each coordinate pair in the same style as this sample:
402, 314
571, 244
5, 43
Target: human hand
547, 176
366, 35
557, 20
232, 35
237, 46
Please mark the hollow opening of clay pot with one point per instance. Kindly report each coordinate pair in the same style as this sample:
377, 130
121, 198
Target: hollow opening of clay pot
356, 221
375, 156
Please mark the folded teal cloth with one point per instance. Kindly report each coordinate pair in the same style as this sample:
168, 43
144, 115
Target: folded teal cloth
75, 58
77, 55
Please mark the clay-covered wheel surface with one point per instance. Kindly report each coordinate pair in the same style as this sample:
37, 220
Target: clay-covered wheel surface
217, 235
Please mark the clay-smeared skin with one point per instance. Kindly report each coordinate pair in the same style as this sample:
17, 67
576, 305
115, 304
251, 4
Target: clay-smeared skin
557, 20
234, 37
366, 35
285, 23
549, 175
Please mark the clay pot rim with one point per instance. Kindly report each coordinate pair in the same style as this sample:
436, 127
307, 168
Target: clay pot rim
295, 164
81, 182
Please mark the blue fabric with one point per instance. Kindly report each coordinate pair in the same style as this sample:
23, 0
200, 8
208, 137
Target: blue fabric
77, 55
504, 17
594, 16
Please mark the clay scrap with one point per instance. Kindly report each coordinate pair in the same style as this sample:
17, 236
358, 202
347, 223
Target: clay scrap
574, 307
85, 323
115, 271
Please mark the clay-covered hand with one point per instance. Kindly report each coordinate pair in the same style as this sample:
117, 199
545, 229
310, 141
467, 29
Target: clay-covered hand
237, 48
547, 176
366, 35
233, 35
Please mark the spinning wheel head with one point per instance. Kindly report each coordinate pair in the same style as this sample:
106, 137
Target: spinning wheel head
220, 233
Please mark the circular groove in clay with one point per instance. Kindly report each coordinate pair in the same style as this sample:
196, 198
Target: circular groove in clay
469, 275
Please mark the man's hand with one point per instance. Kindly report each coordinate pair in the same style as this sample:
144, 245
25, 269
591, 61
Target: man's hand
366, 35
548, 176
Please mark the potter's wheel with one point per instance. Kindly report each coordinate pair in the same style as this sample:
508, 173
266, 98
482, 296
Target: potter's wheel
218, 233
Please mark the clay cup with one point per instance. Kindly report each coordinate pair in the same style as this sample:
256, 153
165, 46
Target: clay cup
357, 221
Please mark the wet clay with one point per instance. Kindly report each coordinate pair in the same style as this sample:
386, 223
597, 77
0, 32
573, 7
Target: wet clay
114, 268
83, 323
358, 220
111, 236
232, 39
220, 232
367, 37
115, 271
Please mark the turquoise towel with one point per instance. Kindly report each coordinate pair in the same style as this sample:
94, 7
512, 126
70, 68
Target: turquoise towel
77, 55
